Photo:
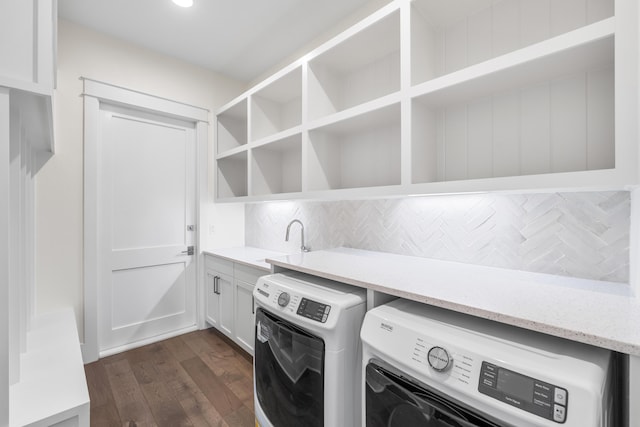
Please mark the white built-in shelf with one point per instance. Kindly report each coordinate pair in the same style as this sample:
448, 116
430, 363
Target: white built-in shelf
232, 175
449, 36
587, 48
232, 127
361, 68
277, 167
336, 159
278, 106
426, 96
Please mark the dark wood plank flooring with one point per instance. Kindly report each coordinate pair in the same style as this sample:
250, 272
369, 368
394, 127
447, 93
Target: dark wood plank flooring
196, 379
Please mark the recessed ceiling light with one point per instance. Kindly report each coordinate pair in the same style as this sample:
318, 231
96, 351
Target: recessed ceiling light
184, 3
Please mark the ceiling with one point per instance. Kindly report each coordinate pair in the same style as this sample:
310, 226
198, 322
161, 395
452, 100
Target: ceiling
239, 38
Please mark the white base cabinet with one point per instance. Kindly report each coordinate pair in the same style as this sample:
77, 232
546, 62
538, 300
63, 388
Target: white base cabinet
229, 299
220, 301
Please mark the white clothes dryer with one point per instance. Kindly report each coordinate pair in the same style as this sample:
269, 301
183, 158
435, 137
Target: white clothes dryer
307, 351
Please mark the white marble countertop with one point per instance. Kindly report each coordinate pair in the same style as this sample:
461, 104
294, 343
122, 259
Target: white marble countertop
253, 257
604, 314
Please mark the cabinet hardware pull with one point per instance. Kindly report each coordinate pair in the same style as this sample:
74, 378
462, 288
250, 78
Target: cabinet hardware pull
216, 285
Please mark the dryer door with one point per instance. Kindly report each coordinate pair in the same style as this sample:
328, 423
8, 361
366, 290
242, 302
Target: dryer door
393, 400
289, 372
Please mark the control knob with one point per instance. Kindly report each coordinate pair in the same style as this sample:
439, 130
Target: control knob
439, 359
283, 299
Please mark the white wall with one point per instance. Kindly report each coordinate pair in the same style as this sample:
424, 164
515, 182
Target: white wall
59, 185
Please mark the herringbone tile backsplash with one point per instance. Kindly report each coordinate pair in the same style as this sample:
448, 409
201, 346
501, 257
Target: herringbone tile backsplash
582, 235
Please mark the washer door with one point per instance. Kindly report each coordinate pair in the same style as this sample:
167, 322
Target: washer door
289, 372
394, 401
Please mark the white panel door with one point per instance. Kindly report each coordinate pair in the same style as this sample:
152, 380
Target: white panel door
148, 209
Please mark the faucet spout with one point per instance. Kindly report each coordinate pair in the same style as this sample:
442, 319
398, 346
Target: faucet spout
303, 248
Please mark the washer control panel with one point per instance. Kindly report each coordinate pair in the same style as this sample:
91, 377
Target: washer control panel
439, 359
529, 394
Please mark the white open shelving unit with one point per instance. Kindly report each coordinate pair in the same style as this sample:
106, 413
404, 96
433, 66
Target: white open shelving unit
426, 96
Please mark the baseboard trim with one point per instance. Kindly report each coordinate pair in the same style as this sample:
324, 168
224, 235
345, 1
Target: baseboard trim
147, 341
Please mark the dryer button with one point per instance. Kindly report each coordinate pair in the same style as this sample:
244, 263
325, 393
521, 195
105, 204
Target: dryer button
283, 299
560, 396
559, 413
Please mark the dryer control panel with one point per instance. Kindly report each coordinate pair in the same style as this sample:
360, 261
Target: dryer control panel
313, 310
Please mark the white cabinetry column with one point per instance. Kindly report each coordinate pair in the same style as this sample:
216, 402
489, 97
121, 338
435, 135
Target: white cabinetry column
4, 255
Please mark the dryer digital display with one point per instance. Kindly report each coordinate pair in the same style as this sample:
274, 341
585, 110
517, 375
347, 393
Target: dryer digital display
314, 310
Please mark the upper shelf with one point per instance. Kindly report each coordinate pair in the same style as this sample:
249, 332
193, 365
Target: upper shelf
578, 50
452, 35
232, 127
361, 68
278, 106
432, 96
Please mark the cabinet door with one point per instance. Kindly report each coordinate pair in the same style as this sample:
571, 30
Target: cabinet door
245, 316
27, 43
227, 297
212, 300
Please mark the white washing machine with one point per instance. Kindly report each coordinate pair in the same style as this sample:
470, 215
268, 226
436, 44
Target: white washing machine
307, 351
424, 366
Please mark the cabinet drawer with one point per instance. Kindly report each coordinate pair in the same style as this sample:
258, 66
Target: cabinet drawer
220, 265
248, 274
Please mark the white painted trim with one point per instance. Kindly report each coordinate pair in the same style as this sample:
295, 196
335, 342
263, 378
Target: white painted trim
4, 254
147, 341
46, 14
202, 196
97, 94
91, 244
123, 96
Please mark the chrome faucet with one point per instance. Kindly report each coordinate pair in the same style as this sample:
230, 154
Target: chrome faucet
303, 248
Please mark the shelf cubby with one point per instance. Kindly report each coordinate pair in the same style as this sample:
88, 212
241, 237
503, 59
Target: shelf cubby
579, 50
435, 96
278, 106
564, 124
447, 36
232, 176
277, 167
232, 127
363, 151
361, 68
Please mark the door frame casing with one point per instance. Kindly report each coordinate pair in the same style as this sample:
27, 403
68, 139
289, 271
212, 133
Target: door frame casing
96, 94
